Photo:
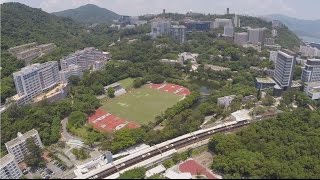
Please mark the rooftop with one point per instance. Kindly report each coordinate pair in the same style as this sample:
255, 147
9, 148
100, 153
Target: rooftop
6, 160
156, 170
21, 138
241, 115
265, 80
285, 54
51, 93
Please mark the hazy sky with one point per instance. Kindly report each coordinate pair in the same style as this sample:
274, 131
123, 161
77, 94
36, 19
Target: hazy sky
303, 9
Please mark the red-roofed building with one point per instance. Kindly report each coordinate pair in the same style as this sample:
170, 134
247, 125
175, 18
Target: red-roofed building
196, 169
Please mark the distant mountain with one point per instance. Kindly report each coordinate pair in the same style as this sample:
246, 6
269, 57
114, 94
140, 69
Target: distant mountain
89, 14
310, 28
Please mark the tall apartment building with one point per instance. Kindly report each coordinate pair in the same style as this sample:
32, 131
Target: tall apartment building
284, 70
273, 56
85, 59
256, 36
269, 41
178, 33
72, 70
236, 21
309, 51
160, 27
228, 31
15, 50
221, 23
311, 71
18, 147
9, 168
241, 38
31, 80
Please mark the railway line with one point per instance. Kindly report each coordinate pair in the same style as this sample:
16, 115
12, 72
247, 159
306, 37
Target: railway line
176, 143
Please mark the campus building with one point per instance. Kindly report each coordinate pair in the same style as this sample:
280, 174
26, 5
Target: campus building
311, 71
218, 23
312, 89
178, 33
236, 21
241, 38
256, 36
32, 80
9, 168
273, 56
18, 147
228, 31
284, 69
160, 27
72, 70
192, 25
226, 100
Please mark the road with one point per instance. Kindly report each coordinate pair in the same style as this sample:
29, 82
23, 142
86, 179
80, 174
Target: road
65, 135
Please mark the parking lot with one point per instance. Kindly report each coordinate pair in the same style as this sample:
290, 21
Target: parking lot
53, 170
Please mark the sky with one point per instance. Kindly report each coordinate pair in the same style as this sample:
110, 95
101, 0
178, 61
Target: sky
302, 9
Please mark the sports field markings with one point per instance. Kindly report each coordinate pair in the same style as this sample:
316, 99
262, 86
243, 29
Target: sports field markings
123, 104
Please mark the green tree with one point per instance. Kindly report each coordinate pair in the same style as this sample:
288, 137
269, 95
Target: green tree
33, 157
77, 119
136, 173
111, 92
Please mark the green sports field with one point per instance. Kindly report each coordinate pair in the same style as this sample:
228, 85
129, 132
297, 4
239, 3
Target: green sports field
140, 105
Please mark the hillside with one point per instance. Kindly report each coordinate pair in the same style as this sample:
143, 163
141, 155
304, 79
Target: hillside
301, 27
89, 14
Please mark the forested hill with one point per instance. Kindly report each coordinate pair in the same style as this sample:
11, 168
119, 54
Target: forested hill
22, 24
89, 14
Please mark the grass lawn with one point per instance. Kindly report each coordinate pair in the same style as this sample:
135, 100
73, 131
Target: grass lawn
127, 83
140, 105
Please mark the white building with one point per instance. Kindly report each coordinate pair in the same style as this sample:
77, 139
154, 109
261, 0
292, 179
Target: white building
17, 146
241, 38
312, 89
226, 100
236, 21
72, 70
309, 51
274, 33
9, 168
284, 70
178, 33
85, 59
269, 41
273, 56
241, 115
256, 36
31, 80
221, 23
160, 27
228, 31
311, 71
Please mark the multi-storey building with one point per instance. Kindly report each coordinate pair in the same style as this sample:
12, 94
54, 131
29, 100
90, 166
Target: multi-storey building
312, 89
221, 23
269, 41
9, 168
31, 80
72, 70
311, 71
228, 31
28, 55
85, 59
284, 70
273, 56
236, 21
18, 146
192, 25
274, 33
241, 38
160, 27
309, 51
256, 36
178, 33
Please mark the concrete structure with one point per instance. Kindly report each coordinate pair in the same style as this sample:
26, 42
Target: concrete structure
28, 52
312, 89
30, 81
273, 56
236, 21
170, 174
221, 23
254, 46
178, 33
188, 56
311, 71
87, 58
269, 41
192, 25
241, 38
226, 100
18, 147
118, 89
9, 168
72, 70
160, 27
227, 10
57, 93
309, 51
241, 115
274, 33
228, 31
156, 170
256, 36
264, 83
171, 61
284, 70
215, 68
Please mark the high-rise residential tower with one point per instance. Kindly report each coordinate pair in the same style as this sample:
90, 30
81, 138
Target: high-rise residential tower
284, 70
